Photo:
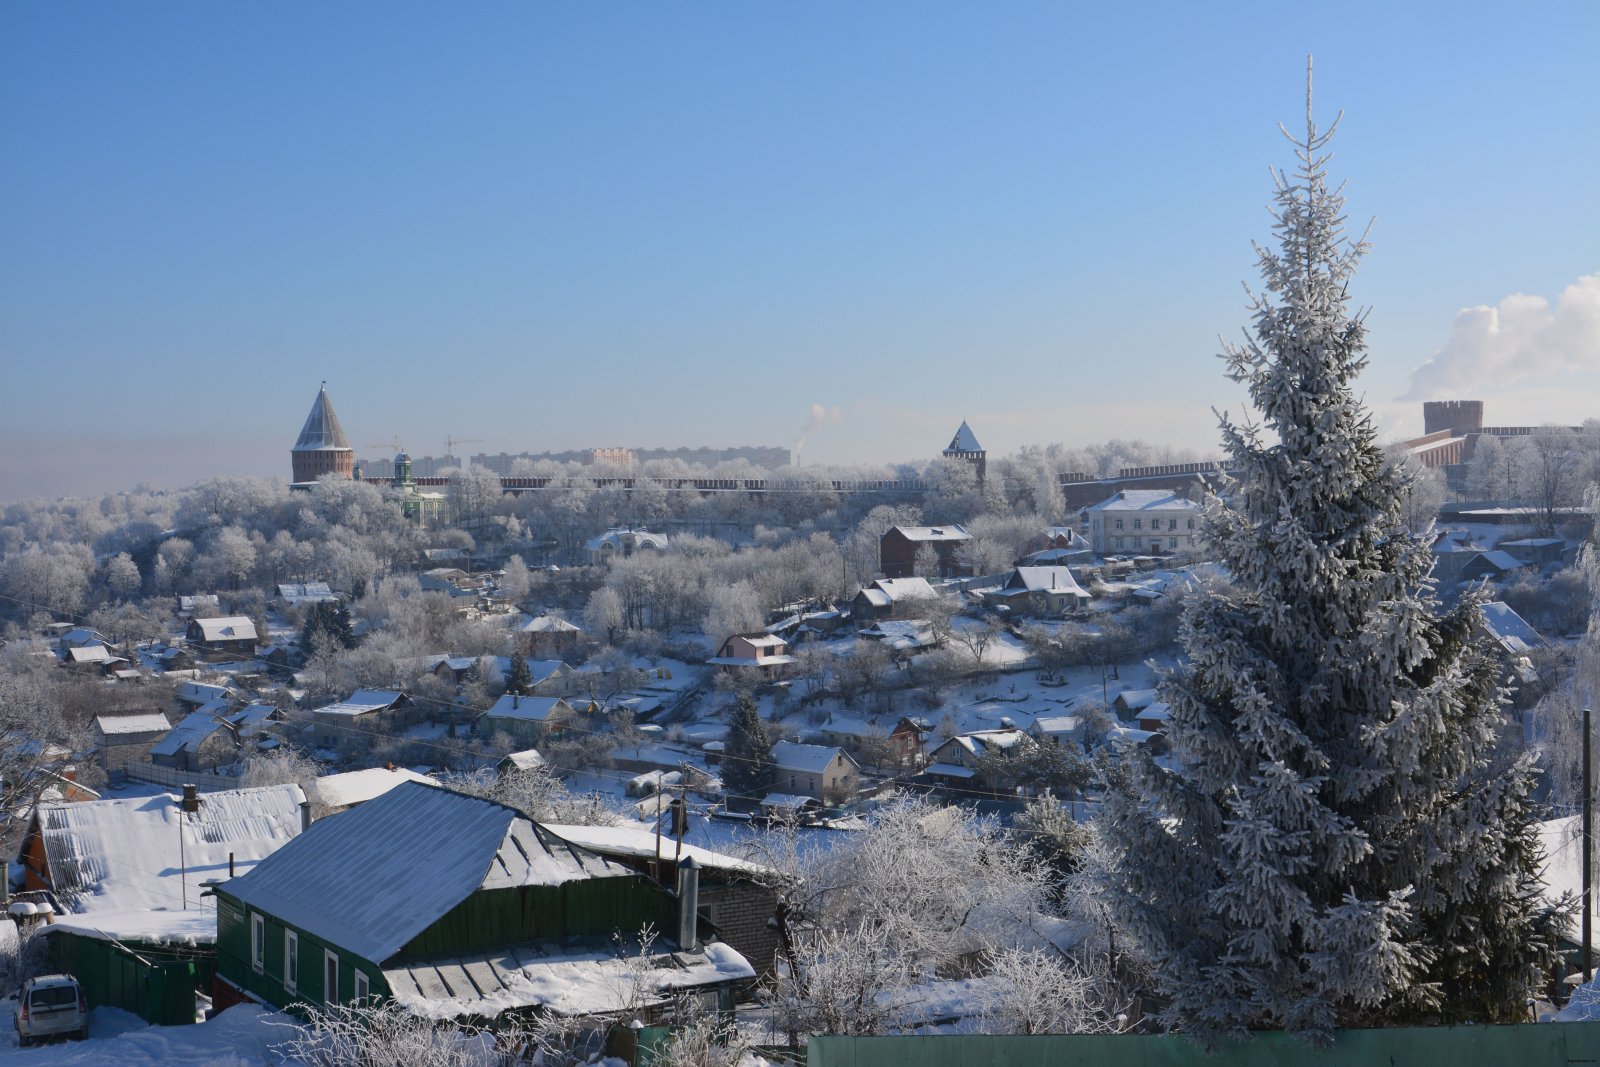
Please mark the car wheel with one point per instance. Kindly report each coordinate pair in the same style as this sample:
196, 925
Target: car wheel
24, 1041
82, 1035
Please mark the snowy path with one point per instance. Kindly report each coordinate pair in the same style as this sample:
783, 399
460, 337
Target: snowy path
239, 1037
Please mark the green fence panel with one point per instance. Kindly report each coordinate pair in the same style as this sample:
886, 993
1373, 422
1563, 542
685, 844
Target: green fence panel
1528, 1045
160, 991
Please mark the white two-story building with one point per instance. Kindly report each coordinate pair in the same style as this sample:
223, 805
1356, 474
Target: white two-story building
1145, 522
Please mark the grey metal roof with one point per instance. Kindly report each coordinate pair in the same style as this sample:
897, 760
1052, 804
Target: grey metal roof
964, 440
322, 429
370, 879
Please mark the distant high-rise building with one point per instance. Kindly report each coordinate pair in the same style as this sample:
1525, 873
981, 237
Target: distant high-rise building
322, 447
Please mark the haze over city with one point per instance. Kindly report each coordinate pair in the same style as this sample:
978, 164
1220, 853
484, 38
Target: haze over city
546, 228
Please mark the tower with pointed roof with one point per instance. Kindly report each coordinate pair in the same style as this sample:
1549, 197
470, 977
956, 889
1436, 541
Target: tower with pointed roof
322, 447
964, 446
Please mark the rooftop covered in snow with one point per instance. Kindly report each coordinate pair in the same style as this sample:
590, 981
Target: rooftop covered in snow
357, 879
125, 855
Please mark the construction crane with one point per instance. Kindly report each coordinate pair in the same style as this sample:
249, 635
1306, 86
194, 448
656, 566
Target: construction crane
451, 442
392, 446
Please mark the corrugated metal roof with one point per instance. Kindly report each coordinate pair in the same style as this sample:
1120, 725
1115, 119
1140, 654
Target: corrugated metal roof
574, 977
322, 429
122, 855
371, 879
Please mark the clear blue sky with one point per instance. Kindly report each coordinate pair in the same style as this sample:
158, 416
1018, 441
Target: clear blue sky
566, 225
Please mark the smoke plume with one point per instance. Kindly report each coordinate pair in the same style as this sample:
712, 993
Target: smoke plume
1523, 337
820, 417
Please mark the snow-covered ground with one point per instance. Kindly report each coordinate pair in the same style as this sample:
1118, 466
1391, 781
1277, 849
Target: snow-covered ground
240, 1037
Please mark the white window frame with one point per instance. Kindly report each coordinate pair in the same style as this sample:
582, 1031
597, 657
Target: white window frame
363, 986
258, 942
330, 961
291, 960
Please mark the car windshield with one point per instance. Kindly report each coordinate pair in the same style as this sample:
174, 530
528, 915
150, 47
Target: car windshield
54, 996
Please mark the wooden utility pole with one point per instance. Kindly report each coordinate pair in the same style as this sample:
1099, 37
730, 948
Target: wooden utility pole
1588, 821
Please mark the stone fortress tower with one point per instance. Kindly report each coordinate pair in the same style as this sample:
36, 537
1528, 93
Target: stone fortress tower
322, 447
964, 446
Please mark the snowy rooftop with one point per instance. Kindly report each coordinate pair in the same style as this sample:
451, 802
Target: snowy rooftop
357, 787
787, 800
549, 624
628, 841
196, 926
526, 760
227, 628
980, 741
321, 430
527, 709
812, 759
585, 979
1506, 624
202, 692
953, 532
361, 702
190, 731
616, 538
902, 634
358, 880
964, 440
148, 722
903, 588
1050, 725
1058, 579
1145, 500
124, 855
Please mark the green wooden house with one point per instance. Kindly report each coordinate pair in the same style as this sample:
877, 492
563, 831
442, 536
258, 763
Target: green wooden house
452, 906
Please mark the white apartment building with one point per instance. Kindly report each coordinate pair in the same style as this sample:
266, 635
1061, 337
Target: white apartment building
1155, 522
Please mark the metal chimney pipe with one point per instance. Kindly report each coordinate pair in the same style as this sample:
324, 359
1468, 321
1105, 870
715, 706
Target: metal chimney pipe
191, 799
305, 815
688, 904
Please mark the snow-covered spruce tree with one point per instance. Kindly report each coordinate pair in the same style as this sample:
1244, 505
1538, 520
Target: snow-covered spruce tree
1334, 846
747, 770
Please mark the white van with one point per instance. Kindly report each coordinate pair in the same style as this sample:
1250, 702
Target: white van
49, 1006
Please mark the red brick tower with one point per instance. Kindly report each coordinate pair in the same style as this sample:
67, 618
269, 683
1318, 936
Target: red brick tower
322, 447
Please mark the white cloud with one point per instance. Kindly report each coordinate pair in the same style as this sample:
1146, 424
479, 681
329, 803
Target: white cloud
1523, 337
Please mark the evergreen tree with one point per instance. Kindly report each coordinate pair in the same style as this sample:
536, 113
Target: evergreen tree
519, 680
747, 769
330, 618
1335, 843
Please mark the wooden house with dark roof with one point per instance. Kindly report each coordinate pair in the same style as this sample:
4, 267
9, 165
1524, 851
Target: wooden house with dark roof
453, 906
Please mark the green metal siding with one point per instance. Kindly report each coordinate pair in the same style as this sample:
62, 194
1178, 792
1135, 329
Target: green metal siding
234, 963
495, 917
1527, 1045
155, 982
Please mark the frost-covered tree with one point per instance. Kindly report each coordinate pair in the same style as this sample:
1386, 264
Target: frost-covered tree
1333, 844
747, 769
519, 679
